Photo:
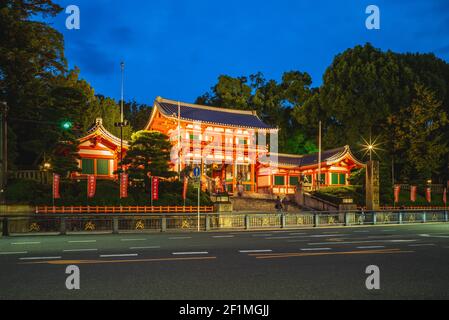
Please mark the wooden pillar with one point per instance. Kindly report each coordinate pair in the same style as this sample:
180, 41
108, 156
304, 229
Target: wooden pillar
234, 177
253, 177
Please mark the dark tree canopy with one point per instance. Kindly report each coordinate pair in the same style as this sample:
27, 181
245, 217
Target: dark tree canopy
148, 154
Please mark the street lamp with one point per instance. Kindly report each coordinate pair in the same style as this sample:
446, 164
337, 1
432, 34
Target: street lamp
370, 146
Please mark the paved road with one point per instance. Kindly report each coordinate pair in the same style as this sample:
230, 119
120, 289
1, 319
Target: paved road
290, 264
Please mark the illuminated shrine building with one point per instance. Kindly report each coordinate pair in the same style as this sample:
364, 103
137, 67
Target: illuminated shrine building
236, 150
99, 153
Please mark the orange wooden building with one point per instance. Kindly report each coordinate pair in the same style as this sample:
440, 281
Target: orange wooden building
99, 153
231, 147
289, 171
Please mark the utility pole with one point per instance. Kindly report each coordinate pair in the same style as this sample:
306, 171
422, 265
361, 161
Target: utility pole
319, 155
179, 141
122, 67
3, 151
123, 123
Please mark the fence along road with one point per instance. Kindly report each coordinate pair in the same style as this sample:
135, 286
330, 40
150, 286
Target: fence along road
152, 222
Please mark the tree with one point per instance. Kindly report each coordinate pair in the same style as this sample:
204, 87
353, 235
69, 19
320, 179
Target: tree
229, 92
148, 153
137, 114
420, 135
31, 54
274, 103
367, 92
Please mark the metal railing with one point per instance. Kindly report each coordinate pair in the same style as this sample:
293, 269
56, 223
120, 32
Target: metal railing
117, 223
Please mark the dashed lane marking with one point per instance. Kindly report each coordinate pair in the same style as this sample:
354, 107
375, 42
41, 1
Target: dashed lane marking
25, 243
40, 258
421, 245
77, 262
179, 238
79, 250
118, 255
12, 252
190, 253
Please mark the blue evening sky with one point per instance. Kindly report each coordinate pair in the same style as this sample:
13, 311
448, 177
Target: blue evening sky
178, 48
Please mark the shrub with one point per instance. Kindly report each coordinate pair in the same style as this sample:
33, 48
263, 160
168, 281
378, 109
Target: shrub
74, 193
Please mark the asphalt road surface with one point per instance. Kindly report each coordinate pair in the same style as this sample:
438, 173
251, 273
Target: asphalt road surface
290, 264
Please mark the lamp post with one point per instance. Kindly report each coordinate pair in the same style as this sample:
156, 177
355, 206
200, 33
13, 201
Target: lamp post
319, 156
122, 68
123, 123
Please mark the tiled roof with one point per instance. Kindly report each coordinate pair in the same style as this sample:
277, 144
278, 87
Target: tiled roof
312, 159
326, 155
212, 115
98, 128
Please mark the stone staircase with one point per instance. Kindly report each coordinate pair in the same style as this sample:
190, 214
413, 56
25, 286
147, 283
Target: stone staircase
258, 202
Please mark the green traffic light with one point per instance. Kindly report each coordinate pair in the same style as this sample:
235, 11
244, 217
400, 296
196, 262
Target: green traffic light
66, 125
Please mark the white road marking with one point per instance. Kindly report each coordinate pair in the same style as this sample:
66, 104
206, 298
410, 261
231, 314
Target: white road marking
17, 243
18, 252
133, 239
179, 238
297, 233
286, 237
353, 242
370, 247
421, 245
315, 249
78, 250
361, 231
81, 241
40, 258
150, 247
198, 252
250, 251
262, 235
118, 255
327, 235
433, 236
223, 236
312, 236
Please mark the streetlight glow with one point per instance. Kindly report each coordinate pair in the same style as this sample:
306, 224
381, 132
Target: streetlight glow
370, 146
